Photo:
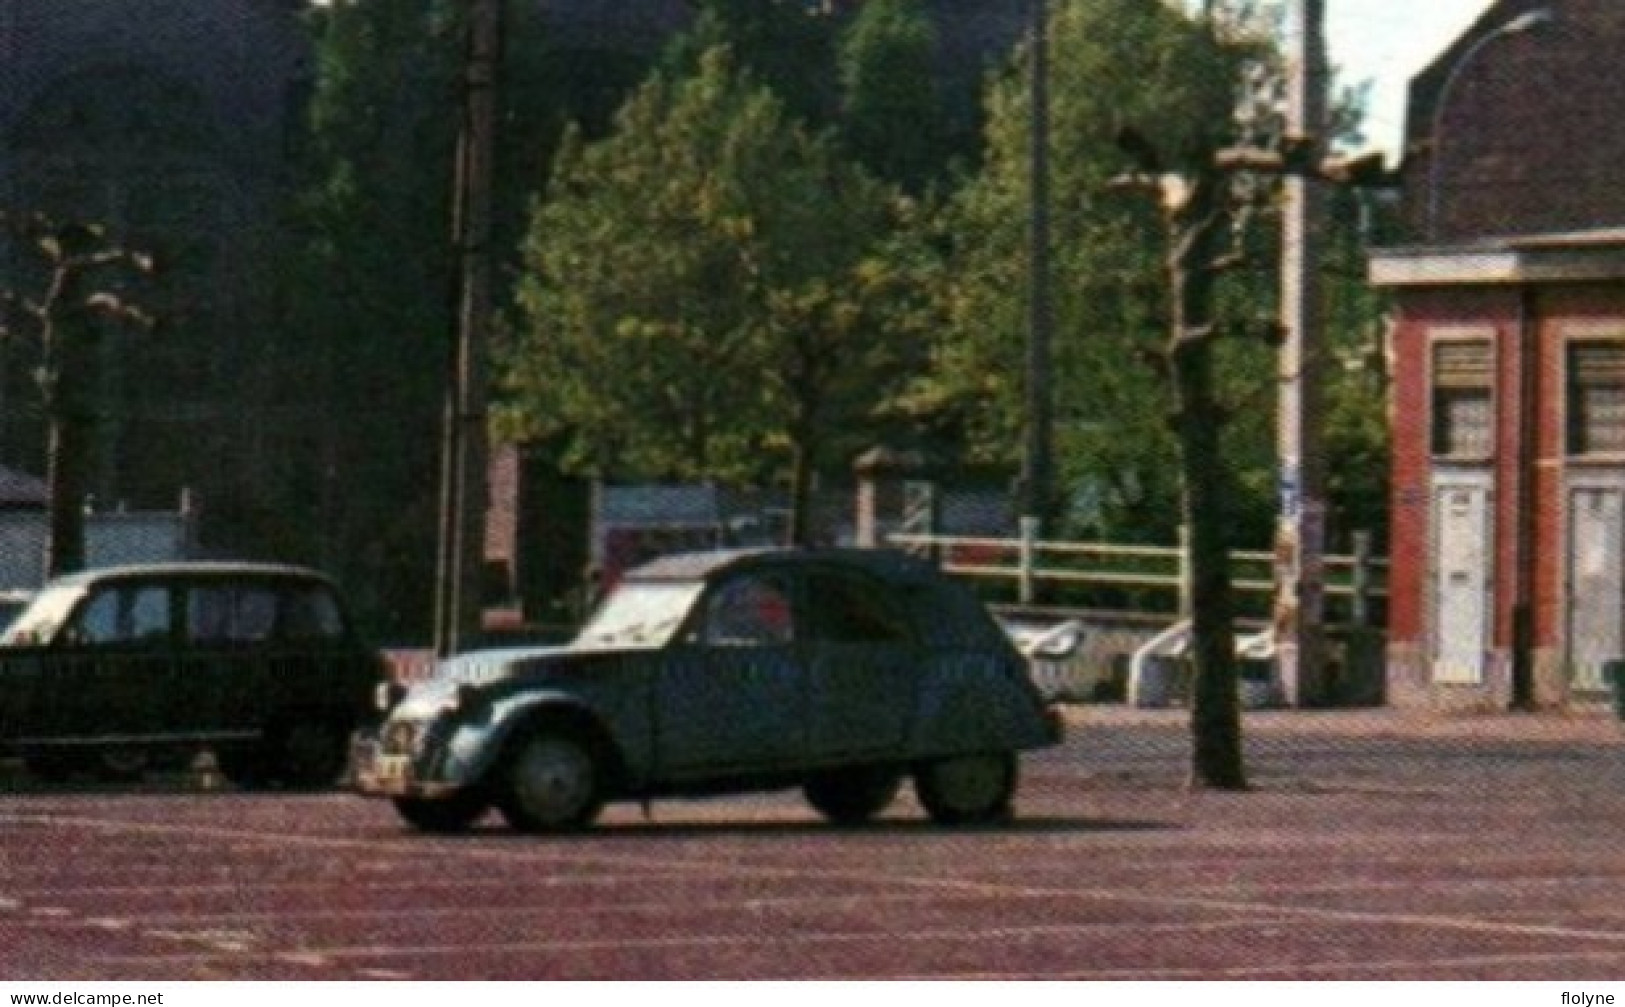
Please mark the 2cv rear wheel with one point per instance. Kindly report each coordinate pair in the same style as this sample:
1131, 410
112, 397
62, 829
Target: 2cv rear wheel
967, 789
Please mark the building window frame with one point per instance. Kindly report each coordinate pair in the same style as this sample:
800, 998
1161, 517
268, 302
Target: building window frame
1594, 394
1462, 395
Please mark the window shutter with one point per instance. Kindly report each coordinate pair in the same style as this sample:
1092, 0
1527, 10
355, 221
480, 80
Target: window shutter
1598, 363
1463, 364
1596, 397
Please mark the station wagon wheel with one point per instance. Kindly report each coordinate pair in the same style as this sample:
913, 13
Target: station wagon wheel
244, 768
967, 789
852, 796
312, 754
124, 764
552, 783
443, 814
53, 767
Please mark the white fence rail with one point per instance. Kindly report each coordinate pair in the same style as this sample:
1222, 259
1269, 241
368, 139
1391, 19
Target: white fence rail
1030, 563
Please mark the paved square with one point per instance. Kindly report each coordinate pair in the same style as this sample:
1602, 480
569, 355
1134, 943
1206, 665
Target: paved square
1374, 846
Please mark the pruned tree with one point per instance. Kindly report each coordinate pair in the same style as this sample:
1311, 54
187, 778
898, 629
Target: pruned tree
1204, 193
82, 276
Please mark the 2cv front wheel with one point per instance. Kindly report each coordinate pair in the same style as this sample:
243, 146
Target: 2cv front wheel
553, 782
852, 796
442, 814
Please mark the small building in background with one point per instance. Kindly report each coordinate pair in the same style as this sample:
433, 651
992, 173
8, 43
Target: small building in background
1507, 587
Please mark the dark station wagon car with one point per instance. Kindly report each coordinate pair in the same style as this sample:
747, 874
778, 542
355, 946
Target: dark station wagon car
114, 670
839, 671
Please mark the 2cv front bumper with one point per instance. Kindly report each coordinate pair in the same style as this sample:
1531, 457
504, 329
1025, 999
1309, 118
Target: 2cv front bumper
382, 767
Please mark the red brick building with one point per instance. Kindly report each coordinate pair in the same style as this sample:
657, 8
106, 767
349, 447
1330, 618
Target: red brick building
1508, 345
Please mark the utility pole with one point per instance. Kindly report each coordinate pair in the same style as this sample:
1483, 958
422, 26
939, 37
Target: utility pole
1037, 477
1301, 532
461, 557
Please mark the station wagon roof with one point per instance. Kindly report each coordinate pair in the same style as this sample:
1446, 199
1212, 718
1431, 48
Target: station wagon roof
196, 569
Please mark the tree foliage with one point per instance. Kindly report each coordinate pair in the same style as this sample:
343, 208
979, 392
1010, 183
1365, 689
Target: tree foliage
710, 292
893, 118
373, 274
788, 46
1113, 63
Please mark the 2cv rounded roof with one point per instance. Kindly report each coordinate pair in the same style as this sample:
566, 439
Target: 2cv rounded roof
943, 611
887, 564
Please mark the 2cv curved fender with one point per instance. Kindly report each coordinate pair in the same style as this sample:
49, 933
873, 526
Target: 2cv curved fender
978, 702
478, 748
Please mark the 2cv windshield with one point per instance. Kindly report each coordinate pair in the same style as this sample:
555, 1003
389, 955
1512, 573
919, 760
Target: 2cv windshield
639, 615
39, 623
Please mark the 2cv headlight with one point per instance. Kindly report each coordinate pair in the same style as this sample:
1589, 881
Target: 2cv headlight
387, 695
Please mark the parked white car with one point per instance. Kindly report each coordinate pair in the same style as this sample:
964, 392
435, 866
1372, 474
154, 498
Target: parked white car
1051, 650
1158, 673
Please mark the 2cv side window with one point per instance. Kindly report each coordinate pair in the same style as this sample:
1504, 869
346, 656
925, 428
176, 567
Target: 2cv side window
752, 610
848, 609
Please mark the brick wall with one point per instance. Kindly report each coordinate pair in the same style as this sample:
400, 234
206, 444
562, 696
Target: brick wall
1530, 136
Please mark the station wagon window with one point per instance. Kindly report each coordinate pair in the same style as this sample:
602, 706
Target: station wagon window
123, 614
311, 613
749, 611
847, 609
43, 618
230, 613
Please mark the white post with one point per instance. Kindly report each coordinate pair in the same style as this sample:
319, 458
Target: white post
1300, 535
1029, 548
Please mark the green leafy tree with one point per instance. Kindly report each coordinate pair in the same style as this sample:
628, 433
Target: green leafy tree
372, 276
893, 116
1112, 63
786, 45
712, 292
1356, 432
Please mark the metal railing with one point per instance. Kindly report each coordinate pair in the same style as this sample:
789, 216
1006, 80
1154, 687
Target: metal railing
1029, 563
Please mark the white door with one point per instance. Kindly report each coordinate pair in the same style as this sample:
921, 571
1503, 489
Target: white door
1462, 557
1596, 630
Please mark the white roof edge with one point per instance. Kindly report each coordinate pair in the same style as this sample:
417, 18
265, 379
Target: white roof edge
1519, 262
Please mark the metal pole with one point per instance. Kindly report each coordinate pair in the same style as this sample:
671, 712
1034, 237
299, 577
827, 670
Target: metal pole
463, 499
1301, 532
1037, 478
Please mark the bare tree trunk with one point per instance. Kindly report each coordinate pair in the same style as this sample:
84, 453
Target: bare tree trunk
70, 418
799, 532
1215, 708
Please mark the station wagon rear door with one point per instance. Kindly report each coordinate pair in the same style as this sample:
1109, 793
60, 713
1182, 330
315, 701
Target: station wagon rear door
228, 634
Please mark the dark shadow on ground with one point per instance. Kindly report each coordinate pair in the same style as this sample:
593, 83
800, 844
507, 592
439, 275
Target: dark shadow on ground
493, 828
